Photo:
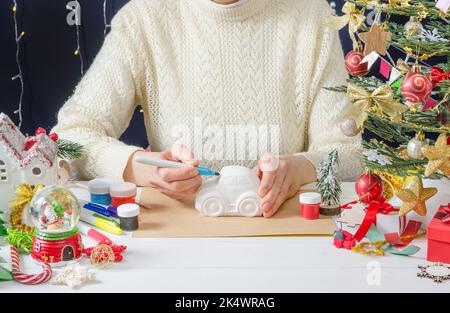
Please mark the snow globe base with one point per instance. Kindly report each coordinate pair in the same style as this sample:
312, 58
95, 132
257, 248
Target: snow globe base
330, 210
57, 249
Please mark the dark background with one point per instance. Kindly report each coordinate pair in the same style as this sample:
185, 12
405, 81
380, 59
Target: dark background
50, 68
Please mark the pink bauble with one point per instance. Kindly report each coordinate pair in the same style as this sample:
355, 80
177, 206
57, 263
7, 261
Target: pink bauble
416, 87
353, 64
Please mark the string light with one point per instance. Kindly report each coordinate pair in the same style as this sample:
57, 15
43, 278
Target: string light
105, 20
19, 76
76, 11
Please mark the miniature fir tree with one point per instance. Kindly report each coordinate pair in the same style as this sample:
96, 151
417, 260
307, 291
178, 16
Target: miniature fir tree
329, 183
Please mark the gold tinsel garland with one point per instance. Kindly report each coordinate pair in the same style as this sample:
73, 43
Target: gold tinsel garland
24, 195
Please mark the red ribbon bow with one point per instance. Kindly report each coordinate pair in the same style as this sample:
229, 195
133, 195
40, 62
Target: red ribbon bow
437, 75
445, 214
379, 206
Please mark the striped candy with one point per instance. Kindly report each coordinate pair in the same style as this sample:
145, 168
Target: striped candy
25, 279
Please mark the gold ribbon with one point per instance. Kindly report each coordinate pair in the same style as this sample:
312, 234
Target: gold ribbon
24, 195
363, 101
403, 67
353, 17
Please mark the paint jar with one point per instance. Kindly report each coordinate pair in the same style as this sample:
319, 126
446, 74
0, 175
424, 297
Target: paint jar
310, 205
129, 216
99, 190
122, 193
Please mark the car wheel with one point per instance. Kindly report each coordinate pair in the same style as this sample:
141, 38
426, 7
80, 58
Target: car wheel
249, 207
213, 207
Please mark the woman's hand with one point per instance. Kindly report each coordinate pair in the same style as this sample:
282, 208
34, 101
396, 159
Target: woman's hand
281, 179
178, 183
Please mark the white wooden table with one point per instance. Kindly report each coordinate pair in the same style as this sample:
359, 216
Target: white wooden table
222, 265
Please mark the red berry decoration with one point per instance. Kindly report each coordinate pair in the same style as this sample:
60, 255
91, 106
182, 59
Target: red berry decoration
40, 131
369, 187
29, 142
353, 64
54, 136
416, 87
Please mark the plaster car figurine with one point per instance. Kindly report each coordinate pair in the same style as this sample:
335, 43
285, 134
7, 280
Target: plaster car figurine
233, 193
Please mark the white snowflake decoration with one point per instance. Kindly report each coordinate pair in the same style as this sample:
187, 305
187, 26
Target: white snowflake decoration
432, 35
374, 156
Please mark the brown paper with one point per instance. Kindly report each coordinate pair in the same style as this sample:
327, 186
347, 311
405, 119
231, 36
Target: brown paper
165, 217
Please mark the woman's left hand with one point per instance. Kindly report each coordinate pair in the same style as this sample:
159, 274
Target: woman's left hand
281, 179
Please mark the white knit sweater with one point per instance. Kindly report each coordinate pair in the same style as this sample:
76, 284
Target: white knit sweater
197, 67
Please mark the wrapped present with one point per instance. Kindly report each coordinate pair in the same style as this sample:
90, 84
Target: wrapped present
391, 223
438, 234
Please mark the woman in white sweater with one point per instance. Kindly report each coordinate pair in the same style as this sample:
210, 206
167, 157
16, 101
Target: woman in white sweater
199, 68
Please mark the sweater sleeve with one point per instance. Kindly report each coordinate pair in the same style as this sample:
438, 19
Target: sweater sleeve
102, 106
327, 107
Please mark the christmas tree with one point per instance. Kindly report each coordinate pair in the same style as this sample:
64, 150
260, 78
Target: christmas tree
405, 105
329, 183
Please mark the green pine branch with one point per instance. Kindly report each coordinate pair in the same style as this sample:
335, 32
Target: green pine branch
69, 150
399, 166
383, 128
414, 9
419, 45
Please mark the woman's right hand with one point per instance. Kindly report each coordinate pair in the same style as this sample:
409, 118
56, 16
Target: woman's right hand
178, 183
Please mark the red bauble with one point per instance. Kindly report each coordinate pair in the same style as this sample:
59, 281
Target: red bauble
40, 131
369, 187
416, 87
54, 136
354, 65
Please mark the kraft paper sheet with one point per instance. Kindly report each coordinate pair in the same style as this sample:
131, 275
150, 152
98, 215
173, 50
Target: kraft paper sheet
162, 216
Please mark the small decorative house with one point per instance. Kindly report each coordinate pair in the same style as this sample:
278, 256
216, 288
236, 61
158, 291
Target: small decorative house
57, 252
24, 163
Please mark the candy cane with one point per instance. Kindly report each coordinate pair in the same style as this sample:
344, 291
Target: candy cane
25, 279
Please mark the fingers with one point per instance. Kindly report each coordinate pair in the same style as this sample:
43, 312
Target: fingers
282, 196
180, 195
180, 153
178, 189
268, 201
177, 174
267, 182
268, 170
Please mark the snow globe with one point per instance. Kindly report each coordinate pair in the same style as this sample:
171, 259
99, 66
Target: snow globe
55, 212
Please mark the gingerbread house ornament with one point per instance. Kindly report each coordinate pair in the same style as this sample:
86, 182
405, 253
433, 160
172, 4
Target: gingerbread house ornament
22, 161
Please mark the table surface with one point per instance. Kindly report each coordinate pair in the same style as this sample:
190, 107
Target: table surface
269, 265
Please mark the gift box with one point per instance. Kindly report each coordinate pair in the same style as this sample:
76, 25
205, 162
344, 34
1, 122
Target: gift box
391, 223
438, 234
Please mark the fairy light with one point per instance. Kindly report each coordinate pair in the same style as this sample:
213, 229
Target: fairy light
105, 20
19, 76
75, 10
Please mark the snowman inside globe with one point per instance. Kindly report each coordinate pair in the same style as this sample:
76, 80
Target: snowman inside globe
55, 212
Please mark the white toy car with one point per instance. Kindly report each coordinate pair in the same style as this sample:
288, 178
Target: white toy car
233, 193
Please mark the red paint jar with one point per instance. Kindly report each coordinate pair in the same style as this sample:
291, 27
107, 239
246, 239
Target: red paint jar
310, 205
122, 193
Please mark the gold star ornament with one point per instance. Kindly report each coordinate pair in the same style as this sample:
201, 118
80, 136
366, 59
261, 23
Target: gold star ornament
414, 197
376, 39
438, 156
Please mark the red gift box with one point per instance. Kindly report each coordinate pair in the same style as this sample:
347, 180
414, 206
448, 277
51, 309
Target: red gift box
438, 234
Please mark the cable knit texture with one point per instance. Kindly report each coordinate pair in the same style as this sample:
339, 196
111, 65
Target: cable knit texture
264, 62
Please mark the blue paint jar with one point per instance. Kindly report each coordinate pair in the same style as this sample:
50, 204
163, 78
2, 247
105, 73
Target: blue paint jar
99, 190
